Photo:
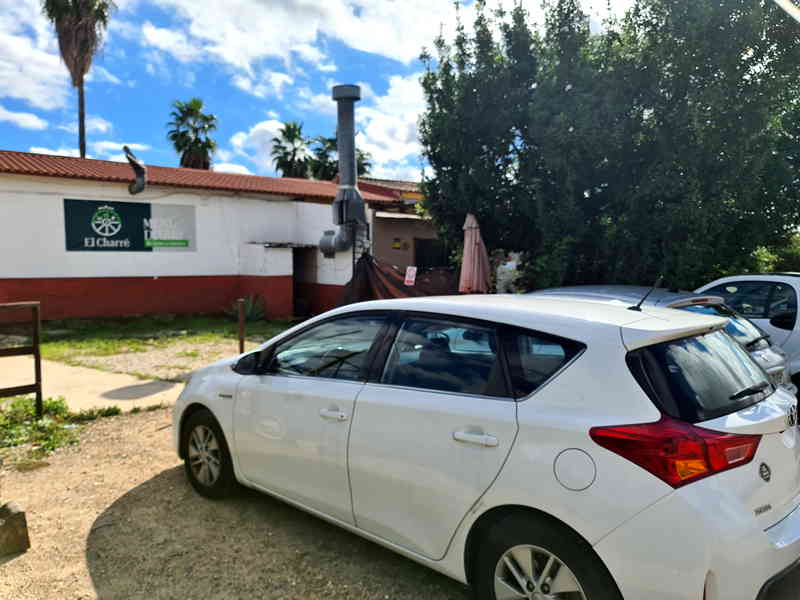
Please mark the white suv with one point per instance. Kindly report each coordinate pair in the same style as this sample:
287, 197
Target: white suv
532, 447
770, 301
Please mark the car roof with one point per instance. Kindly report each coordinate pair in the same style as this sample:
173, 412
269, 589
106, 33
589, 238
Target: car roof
788, 277
575, 319
629, 295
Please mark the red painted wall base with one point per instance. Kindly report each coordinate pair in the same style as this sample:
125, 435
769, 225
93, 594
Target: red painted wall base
93, 297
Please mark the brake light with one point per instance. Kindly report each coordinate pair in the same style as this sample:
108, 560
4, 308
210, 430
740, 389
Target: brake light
676, 452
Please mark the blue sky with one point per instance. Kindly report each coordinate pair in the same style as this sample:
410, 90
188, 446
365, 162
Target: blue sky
255, 63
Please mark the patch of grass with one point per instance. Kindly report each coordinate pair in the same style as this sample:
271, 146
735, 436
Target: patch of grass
103, 337
92, 414
57, 427
153, 407
189, 354
136, 410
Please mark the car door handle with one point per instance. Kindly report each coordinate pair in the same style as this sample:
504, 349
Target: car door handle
332, 414
479, 439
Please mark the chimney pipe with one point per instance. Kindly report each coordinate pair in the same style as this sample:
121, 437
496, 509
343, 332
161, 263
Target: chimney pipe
348, 207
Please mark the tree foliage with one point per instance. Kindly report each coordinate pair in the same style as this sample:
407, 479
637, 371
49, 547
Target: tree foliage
79, 26
325, 162
296, 155
190, 133
663, 144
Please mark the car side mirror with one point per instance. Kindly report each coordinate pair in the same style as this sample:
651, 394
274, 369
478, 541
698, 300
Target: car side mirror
248, 364
784, 320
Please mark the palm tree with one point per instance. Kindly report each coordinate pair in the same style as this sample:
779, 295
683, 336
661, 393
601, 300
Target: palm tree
325, 164
79, 25
189, 133
290, 152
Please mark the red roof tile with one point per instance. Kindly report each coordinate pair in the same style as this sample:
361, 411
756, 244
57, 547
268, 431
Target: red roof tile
24, 163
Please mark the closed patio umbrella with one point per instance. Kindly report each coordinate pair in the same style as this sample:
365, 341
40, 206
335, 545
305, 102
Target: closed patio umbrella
475, 265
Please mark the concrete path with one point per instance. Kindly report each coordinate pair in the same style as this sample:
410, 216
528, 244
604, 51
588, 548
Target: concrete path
85, 388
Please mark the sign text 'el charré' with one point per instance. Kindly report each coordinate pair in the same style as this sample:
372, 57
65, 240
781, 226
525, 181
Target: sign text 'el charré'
95, 226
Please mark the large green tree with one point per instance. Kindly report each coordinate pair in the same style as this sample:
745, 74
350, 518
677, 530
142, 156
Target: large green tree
666, 143
190, 133
79, 26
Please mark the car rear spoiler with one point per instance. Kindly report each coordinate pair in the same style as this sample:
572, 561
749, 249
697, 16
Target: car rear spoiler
654, 330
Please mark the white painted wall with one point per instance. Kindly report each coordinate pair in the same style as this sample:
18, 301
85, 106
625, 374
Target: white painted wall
258, 260
32, 237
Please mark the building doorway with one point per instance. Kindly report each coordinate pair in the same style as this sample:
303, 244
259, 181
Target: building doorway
304, 270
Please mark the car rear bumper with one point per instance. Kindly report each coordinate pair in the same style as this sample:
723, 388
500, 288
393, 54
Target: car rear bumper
696, 541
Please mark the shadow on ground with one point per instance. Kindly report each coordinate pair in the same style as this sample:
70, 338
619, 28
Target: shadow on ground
162, 540
139, 391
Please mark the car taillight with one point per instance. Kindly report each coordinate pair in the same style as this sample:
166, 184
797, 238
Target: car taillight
676, 452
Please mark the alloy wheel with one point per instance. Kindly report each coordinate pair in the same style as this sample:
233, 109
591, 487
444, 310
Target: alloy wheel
534, 573
205, 457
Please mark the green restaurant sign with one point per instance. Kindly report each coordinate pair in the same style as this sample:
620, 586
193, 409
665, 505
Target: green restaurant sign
93, 226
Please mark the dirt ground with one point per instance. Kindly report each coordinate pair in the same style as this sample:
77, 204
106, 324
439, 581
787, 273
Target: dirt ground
173, 363
115, 518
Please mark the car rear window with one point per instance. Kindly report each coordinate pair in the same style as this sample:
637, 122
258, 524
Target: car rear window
742, 330
699, 378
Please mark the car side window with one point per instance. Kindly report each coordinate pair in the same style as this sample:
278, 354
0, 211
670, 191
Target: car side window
748, 298
534, 358
335, 349
782, 301
446, 356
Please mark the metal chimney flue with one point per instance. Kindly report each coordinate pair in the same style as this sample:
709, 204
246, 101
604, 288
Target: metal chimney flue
349, 212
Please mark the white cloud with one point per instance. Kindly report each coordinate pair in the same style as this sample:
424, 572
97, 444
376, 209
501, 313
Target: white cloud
398, 171
224, 155
23, 119
107, 148
318, 103
117, 158
30, 66
60, 152
271, 83
99, 73
328, 68
174, 42
231, 168
243, 32
94, 124
124, 29
272, 114
388, 124
256, 143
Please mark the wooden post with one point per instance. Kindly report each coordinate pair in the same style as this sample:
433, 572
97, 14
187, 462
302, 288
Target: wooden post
33, 349
37, 357
240, 302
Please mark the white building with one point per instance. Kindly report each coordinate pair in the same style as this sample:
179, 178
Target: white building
73, 237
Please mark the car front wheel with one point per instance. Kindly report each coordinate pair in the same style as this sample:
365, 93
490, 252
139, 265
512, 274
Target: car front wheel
534, 558
207, 460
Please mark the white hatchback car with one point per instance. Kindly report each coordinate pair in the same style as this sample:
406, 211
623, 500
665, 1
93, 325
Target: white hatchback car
532, 447
770, 301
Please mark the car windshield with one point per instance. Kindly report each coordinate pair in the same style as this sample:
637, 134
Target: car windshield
700, 378
742, 330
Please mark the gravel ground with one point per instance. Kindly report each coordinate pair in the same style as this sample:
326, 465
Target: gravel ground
115, 518
173, 363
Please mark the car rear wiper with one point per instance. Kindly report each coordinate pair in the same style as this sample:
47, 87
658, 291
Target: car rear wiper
752, 343
749, 391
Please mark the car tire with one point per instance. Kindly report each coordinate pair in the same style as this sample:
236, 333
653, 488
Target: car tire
529, 542
207, 460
